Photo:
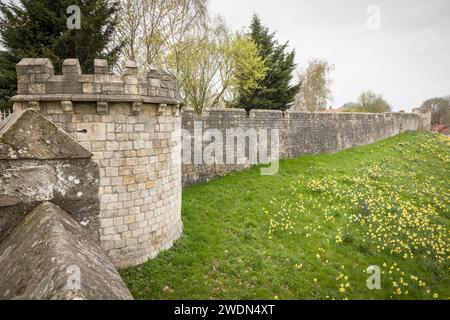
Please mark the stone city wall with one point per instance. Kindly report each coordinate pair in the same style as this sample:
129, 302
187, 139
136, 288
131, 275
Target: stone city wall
299, 133
132, 127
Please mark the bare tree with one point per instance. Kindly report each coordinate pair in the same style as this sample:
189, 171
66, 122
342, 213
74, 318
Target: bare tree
315, 92
151, 29
186, 18
440, 110
209, 61
130, 28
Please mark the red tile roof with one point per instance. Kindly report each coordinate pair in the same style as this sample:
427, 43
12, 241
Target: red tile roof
440, 128
333, 110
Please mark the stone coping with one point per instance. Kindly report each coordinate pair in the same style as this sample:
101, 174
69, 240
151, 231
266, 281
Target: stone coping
95, 98
37, 82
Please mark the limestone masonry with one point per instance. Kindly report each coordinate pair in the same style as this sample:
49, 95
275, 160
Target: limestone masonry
129, 125
299, 133
39, 162
49, 210
49, 256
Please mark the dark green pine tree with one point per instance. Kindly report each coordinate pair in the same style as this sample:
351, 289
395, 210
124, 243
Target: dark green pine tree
38, 28
275, 90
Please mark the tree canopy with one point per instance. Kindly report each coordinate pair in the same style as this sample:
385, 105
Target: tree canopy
440, 110
212, 66
369, 102
275, 90
315, 92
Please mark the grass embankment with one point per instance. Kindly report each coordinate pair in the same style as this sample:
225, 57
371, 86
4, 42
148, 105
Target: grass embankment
312, 231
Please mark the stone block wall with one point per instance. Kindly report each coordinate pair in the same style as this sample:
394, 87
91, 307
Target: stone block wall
223, 120
312, 133
130, 125
49, 216
299, 133
50, 256
39, 162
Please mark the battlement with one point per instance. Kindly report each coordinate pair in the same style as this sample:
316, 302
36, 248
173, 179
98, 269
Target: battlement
37, 82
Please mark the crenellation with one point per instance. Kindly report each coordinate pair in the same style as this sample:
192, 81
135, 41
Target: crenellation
101, 66
71, 67
37, 81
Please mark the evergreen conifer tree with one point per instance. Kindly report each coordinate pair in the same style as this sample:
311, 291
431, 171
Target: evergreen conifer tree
275, 91
31, 29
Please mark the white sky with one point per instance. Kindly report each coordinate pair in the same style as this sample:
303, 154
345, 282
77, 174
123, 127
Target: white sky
407, 60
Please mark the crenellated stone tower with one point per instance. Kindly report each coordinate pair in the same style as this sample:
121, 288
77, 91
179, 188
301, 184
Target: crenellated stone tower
132, 126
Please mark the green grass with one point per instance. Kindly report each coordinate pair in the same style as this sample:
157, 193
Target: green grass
312, 230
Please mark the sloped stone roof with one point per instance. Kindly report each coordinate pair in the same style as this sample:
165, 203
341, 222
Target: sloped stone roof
49, 256
29, 135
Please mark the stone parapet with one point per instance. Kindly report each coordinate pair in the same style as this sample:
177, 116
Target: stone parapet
50, 256
37, 82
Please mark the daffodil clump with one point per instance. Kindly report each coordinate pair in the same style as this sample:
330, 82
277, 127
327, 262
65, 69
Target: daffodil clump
386, 209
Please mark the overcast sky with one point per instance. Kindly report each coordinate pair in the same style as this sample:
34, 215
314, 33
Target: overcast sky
407, 59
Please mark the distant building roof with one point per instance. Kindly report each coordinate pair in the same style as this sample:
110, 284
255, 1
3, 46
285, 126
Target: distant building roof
334, 110
441, 128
